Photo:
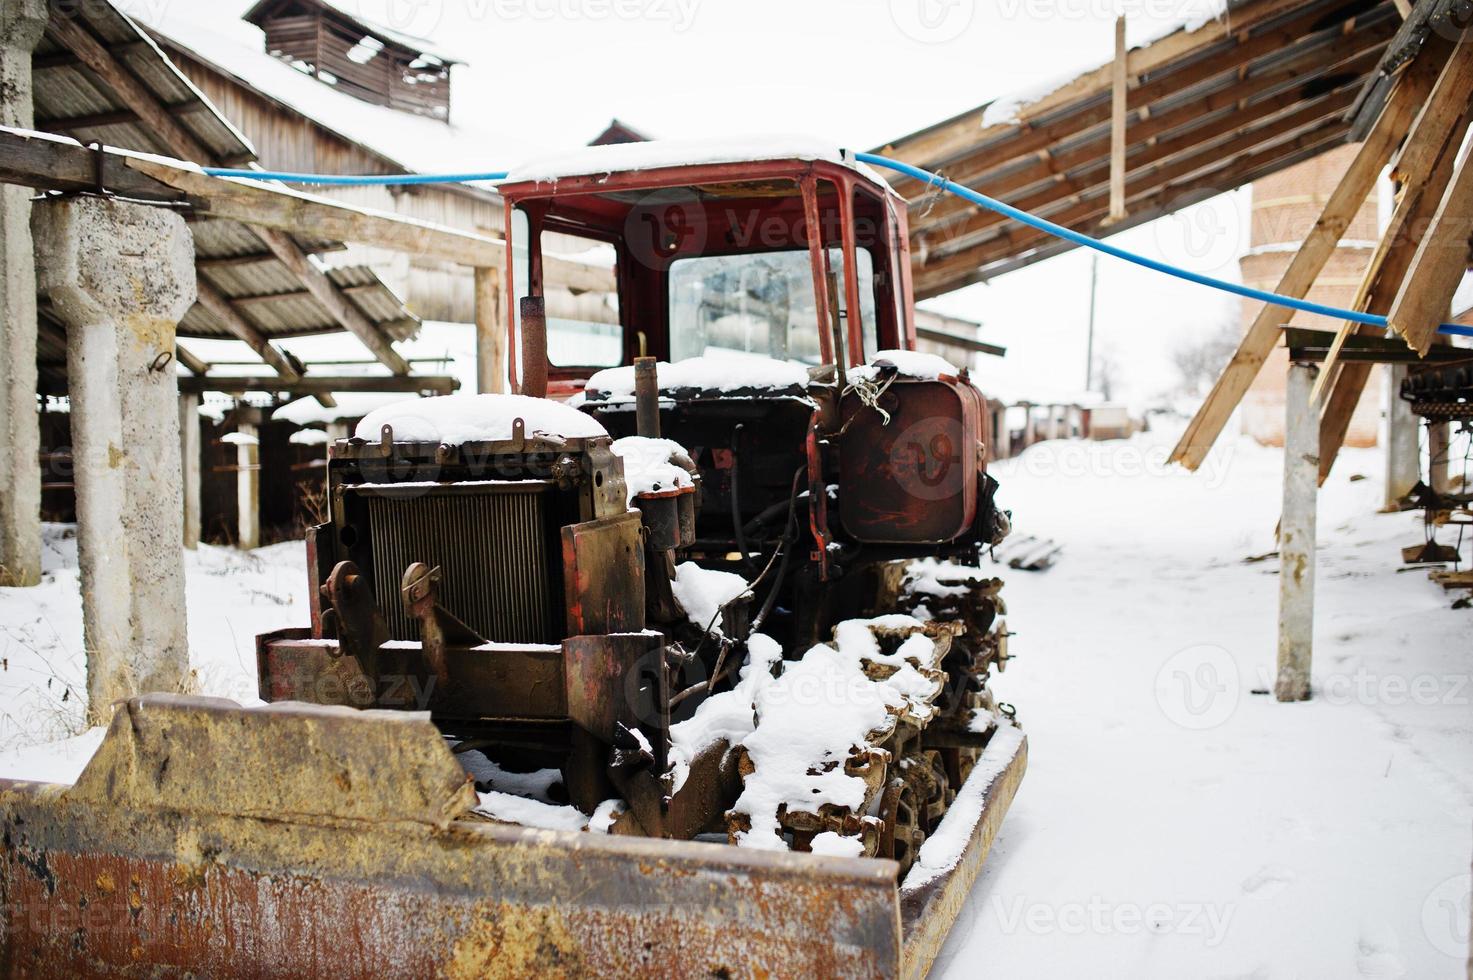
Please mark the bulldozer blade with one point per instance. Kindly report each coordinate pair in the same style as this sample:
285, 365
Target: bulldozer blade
303, 840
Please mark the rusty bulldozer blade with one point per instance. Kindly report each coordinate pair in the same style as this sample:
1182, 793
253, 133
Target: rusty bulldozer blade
209, 839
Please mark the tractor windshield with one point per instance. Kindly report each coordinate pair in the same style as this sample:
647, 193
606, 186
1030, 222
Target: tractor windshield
758, 303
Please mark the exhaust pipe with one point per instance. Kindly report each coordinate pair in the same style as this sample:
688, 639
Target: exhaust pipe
534, 346
646, 398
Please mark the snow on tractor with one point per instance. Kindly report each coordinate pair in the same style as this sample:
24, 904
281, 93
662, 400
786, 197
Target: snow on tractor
704, 590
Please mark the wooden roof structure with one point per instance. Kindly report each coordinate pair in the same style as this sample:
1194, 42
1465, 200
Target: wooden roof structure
98, 77
1203, 111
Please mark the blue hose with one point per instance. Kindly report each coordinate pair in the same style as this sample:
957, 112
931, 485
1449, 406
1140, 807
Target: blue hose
354, 180
1068, 234
933, 180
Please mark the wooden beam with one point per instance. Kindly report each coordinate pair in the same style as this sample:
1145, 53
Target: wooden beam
992, 236
313, 384
490, 332
133, 93
1167, 61
326, 292
44, 160
1425, 299
1163, 201
224, 310
957, 340
196, 365
1117, 124
1004, 172
219, 306
1066, 201
1442, 118
1321, 242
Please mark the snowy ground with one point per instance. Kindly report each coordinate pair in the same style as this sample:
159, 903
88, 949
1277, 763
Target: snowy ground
1172, 823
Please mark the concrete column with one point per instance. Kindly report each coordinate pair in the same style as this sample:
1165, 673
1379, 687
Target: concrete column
1403, 453
21, 24
1439, 442
189, 456
120, 276
338, 429
247, 442
1030, 426
1296, 535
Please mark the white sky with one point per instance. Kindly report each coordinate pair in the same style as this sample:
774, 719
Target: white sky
549, 74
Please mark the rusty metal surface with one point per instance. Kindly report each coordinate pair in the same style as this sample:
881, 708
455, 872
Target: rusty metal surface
927, 912
599, 600
111, 879
920, 468
492, 680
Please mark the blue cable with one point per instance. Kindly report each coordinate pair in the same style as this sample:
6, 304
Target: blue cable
931, 179
354, 180
1043, 224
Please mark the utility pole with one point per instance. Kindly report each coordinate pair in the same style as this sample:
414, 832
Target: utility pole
1089, 346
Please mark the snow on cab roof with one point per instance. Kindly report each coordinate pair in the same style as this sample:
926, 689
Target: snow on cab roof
457, 419
595, 160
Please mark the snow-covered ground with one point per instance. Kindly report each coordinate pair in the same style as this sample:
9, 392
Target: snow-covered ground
1173, 822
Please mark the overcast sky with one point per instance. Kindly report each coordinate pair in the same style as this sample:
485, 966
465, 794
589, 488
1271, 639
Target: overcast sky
549, 74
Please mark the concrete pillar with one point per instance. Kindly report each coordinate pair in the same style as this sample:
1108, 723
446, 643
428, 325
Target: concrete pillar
21, 24
1403, 452
247, 440
1296, 535
338, 429
1439, 444
189, 456
1030, 426
120, 276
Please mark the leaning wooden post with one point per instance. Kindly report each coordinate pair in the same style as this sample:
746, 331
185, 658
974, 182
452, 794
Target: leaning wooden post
1296, 535
490, 331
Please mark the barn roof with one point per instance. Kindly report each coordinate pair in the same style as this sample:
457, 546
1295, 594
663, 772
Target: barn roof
1210, 107
97, 76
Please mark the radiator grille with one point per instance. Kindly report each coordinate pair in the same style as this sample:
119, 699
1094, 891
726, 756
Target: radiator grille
497, 574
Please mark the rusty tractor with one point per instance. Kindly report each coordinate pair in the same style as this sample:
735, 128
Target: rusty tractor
728, 472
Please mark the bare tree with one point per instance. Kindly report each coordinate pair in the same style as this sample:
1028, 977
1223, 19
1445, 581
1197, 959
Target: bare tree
1200, 359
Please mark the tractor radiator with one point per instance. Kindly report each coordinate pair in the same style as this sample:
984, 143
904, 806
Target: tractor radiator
495, 550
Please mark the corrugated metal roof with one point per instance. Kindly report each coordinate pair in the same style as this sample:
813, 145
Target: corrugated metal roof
67, 90
265, 291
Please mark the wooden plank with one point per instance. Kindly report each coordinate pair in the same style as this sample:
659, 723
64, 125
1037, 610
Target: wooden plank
1166, 200
1425, 299
133, 93
196, 365
49, 162
1437, 122
1321, 242
994, 236
964, 133
1005, 171
490, 332
313, 384
1390, 263
326, 292
220, 307
1117, 124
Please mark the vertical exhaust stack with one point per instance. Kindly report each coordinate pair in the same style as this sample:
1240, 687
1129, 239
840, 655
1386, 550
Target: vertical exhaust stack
534, 346
646, 398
